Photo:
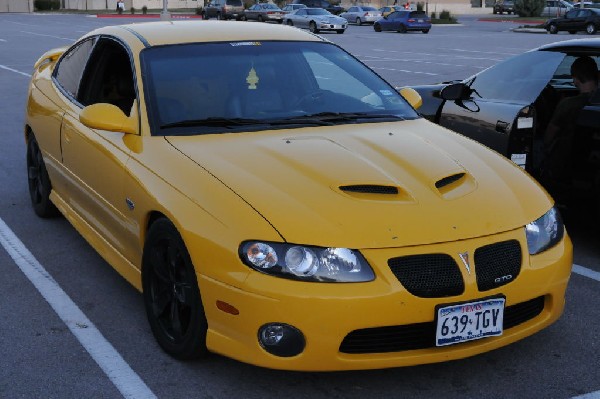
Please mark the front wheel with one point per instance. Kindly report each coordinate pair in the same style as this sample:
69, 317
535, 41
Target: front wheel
243, 18
260, 18
340, 31
290, 23
377, 27
590, 29
39, 181
313, 27
402, 29
358, 21
171, 294
553, 29
425, 31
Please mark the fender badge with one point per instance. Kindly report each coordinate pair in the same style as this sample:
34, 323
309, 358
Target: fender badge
464, 256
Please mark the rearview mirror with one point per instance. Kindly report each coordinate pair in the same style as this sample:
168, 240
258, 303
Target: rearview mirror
456, 91
104, 116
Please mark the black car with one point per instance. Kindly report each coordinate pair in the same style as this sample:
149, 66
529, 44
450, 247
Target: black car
334, 9
507, 107
575, 20
504, 6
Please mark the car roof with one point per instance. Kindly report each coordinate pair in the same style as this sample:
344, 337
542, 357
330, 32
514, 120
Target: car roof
176, 32
573, 45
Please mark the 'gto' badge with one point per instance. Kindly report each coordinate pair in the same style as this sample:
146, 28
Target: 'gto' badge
464, 256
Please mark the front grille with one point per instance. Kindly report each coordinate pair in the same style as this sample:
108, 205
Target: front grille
497, 264
422, 335
428, 276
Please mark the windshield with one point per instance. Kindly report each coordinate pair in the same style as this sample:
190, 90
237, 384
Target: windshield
244, 86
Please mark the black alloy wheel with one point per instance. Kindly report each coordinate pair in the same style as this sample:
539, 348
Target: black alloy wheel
38, 181
171, 294
590, 29
553, 29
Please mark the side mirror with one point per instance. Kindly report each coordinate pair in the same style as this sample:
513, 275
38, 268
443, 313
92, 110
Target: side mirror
412, 96
104, 116
456, 91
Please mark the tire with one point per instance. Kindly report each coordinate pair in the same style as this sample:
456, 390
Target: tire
340, 31
402, 28
243, 18
572, 32
312, 26
171, 294
553, 29
290, 23
494, 11
260, 18
590, 29
358, 21
219, 17
425, 31
377, 27
38, 181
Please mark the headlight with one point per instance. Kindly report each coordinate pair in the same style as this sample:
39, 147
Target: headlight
307, 263
544, 232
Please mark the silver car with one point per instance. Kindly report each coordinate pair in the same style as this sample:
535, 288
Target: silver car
361, 14
263, 12
316, 20
556, 8
292, 7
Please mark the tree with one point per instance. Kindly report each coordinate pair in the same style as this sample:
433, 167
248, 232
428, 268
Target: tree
529, 8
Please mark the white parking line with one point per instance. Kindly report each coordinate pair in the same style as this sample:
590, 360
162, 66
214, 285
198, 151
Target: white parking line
52, 36
591, 395
110, 361
584, 271
15, 71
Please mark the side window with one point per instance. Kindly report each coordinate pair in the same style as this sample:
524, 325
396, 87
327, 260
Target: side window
109, 77
571, 14
70, 68
301, 12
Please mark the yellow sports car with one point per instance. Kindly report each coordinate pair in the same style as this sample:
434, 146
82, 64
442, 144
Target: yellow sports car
313, 223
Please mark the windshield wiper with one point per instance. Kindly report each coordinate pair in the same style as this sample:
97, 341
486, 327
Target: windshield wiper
215, 122
350, 116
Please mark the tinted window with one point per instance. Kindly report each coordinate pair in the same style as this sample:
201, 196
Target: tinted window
369, 9
418, 14
520, 78
70, 68
571, 14
228, 81
236, 3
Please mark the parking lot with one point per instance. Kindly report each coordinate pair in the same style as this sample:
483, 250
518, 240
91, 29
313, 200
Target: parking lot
41, 357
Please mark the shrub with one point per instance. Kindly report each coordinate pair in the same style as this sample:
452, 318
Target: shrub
132, 9
44, 5
529, 8
445, 14
144, 10
199, 10
433, 15
420, 6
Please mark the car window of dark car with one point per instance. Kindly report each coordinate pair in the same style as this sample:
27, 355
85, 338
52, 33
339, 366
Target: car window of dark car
236, 3
70, 67
571, 14
520, 78
108, 77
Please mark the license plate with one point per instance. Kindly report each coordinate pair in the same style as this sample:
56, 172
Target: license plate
420, 20
469, 321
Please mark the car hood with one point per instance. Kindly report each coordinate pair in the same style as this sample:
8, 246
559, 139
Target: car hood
370, 185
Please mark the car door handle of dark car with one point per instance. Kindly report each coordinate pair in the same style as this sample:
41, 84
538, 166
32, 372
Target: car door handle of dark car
502, 126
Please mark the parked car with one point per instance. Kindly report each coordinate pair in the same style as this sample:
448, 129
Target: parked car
387, 10
326, 5
576, 20
316, 20
361, 14
291, 223
404, 21
263, 12
556, 8
508, 107
288, 8
504, 6
224, 9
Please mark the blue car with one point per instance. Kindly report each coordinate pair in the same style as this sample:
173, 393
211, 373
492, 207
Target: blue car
404, 21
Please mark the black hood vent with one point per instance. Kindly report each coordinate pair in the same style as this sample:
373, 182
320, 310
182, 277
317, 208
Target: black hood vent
448, 180
370, 189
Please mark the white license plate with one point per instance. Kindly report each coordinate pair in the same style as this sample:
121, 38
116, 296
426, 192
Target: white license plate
469, 321
420, 20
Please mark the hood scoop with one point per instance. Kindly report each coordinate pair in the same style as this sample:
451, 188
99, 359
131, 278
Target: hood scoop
370, 189
455, 185
376, 192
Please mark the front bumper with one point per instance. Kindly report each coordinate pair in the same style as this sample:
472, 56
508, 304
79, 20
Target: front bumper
330, 26
327, 313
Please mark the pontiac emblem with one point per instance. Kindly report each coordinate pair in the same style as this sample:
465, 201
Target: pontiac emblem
464, 256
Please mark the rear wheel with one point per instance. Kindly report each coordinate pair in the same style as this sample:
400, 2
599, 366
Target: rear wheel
402, 29
290, 23
377, 27
572, 32
219, 17
553, 29
39, 181
243, 18
260, 18
590, 29
358, 21
171, 294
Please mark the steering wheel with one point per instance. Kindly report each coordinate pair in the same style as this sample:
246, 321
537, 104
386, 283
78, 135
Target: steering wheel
311, 100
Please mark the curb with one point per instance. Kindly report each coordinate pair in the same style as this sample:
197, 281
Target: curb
148, 16
529, 30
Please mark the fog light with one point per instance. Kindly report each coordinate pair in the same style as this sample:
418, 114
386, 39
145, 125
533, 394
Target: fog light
281, 339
